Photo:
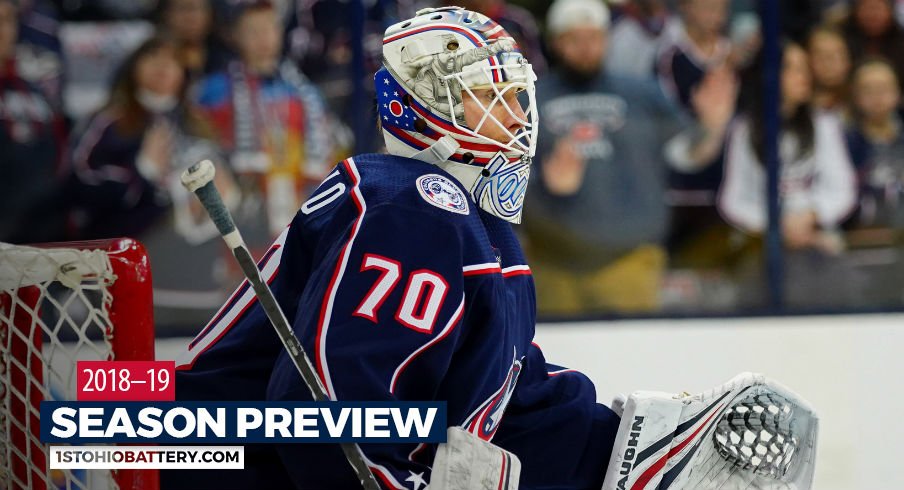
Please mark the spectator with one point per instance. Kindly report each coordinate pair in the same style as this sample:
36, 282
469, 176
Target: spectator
876, 140
597, 214
516, 21
698, 47
39, 57
637, 35
190, 23
30, 145
271, 120
830, 62
817, 182
126, 166
871, 30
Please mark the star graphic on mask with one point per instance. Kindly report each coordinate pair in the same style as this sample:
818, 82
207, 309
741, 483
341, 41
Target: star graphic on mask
385, 94
386, 81
417, 479
396, 94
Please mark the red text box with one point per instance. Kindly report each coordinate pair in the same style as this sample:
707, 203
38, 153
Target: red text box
110, 381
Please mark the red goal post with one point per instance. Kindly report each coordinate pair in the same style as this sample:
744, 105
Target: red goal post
60, 303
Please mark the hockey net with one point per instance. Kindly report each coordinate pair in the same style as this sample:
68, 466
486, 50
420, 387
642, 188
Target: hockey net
59, 304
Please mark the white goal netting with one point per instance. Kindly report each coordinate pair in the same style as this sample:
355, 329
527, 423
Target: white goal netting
58, 306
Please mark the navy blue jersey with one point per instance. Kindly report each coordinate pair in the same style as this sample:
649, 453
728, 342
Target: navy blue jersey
400, 288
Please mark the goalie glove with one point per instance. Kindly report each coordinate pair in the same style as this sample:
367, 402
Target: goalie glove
750, 433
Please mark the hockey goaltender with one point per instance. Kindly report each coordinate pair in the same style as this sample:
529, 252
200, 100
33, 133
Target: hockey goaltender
403, 280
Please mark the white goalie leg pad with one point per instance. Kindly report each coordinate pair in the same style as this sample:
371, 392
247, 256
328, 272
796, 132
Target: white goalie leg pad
749, 433
466, 462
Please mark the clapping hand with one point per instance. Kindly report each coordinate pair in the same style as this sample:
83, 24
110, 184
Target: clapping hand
715, 98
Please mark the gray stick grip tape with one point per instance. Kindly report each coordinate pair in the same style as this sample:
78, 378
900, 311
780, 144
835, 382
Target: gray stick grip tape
218, 212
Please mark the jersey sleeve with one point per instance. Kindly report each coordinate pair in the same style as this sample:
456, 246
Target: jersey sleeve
834, 193
742, 193
380, 321
562, 436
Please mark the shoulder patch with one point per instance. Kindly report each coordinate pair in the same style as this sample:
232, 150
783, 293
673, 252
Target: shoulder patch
442, 193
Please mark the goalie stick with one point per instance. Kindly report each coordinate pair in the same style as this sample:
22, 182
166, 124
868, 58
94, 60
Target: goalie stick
199, 179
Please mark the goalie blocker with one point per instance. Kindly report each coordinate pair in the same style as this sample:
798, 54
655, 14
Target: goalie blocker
750, 432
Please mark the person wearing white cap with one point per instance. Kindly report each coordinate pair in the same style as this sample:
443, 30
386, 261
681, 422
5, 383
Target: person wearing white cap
598, 213
564, 15
577, 29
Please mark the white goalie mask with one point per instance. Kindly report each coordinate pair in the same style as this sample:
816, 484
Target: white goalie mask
433, 66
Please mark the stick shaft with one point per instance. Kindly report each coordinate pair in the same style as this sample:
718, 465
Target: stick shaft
280, 323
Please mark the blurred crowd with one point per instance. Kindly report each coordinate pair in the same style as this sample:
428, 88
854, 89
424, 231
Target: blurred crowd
649, 193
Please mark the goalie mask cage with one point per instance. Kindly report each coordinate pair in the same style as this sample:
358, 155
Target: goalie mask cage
60, 303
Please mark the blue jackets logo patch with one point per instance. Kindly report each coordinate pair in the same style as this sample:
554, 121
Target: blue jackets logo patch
484, 421
442, 193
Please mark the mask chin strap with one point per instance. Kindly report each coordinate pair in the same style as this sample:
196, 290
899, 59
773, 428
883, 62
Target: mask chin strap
438, 154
